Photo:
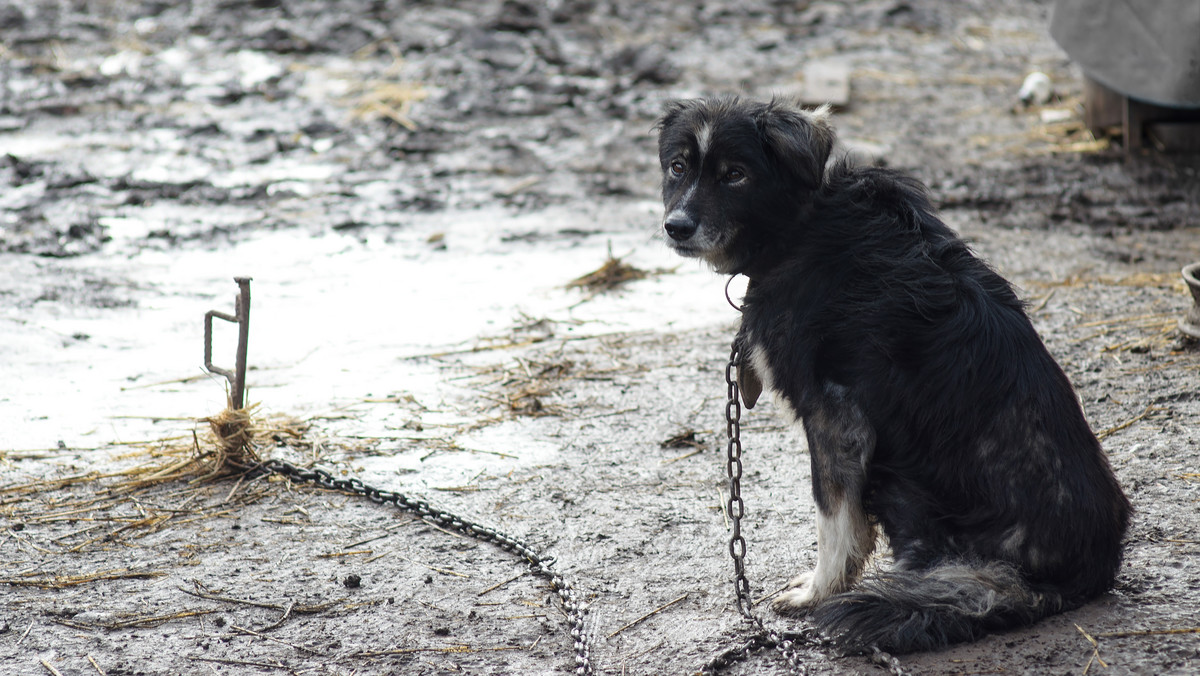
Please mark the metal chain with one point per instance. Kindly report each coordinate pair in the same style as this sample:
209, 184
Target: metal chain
733, 469
787, 643
784, 642
541, 566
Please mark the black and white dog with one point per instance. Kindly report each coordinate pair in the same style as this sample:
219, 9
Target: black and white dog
933, 411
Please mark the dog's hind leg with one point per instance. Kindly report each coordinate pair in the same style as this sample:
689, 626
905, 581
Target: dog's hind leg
841, 443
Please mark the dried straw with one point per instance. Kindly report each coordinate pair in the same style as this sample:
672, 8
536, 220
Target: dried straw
235, 441
233, 432
612, 274
118, 506
390, 97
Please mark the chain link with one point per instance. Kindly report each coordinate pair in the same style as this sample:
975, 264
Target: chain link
542, 566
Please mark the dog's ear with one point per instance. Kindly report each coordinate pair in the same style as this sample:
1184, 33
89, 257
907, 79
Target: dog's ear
798, 140
672, 112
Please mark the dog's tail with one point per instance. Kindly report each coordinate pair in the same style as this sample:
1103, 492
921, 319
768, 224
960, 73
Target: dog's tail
910, 611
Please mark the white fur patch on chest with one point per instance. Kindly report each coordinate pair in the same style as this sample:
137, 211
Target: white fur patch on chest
757, 357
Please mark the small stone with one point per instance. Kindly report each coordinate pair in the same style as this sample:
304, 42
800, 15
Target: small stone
1036, 90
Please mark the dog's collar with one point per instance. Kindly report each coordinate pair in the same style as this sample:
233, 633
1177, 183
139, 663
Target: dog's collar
727, 298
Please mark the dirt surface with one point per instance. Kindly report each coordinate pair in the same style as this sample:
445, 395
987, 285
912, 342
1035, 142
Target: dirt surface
413, 187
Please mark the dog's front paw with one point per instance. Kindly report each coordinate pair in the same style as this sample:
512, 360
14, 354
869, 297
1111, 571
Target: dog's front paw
802, 580
801, 595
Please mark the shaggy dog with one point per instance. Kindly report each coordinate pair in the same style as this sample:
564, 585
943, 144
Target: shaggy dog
932, 409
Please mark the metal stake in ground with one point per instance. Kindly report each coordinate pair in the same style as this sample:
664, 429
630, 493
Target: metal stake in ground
241, 317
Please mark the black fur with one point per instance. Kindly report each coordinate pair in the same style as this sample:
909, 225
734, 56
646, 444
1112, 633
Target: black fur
932, 409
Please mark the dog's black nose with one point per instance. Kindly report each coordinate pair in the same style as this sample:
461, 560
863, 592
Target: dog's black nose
680, 226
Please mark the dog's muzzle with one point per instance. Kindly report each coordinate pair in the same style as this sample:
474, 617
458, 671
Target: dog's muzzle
680, 227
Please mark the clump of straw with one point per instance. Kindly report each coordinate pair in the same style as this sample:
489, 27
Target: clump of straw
614, 273
234, 442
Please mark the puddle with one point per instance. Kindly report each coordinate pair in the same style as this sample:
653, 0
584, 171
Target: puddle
335, 319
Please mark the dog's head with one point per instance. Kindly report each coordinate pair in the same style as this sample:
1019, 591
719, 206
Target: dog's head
736, 174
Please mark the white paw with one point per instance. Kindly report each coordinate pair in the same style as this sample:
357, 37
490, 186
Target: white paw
802, 580
802, 594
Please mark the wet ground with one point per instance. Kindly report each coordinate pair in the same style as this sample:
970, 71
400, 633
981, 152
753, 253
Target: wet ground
413, 189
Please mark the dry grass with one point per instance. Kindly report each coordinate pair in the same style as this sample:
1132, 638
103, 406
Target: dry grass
533, 384
1062, 132
1151, 331
1104, 434
528, 386
170, 484
390, 97
1140, 333
612, 274
391, 100
62, 581
1068, 136
232, 444
1155, 280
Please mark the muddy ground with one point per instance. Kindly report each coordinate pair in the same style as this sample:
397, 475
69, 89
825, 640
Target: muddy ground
413, 186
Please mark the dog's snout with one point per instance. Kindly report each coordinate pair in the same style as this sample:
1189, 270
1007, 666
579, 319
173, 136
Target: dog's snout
680, 226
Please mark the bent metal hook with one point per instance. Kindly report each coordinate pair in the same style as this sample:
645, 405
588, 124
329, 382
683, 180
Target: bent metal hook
241, 317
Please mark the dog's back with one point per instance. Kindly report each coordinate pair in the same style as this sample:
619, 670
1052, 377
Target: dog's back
931, 406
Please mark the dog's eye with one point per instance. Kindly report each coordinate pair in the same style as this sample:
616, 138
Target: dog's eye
734, 176
677, 168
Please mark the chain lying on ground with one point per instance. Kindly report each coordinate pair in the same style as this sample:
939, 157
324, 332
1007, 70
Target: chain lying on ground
787, 643
540, 565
